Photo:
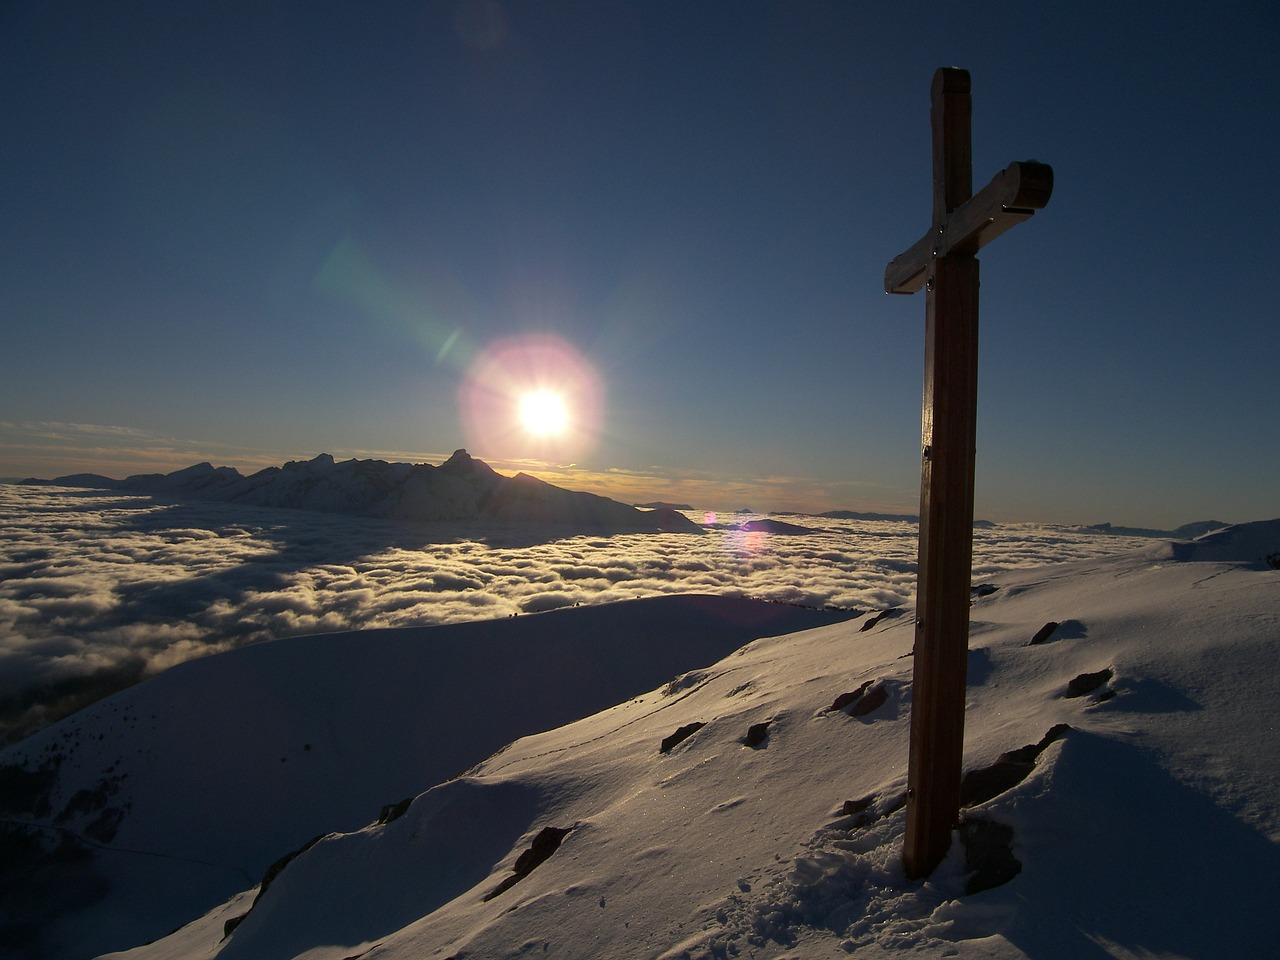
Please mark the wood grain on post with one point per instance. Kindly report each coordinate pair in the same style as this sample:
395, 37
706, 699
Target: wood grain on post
943, 261
948, 431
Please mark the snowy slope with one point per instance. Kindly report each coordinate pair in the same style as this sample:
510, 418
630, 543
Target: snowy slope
1149, 828
194, 782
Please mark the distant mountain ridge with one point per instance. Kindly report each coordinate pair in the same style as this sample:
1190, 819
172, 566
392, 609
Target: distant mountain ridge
859, 515
1188, 531
460, 489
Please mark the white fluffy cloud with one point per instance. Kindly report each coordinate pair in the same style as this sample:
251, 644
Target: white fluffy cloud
91, 580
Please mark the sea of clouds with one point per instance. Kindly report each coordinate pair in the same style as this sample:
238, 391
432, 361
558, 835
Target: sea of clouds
94, 583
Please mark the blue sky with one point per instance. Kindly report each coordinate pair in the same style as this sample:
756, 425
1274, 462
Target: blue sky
249, 233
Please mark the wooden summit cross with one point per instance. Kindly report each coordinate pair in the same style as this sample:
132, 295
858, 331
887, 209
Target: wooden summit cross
943, 262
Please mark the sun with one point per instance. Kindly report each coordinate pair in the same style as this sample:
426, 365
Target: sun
543, 413
533, 396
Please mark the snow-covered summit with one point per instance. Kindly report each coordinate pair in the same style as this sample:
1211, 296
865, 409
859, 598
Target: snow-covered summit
1252, 543
460, 489
461, 462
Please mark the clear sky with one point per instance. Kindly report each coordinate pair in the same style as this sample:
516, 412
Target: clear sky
247, 232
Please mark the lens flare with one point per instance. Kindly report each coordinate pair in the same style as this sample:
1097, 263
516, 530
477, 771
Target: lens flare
532, 396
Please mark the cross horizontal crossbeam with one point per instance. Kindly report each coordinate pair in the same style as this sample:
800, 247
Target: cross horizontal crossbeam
1013, 195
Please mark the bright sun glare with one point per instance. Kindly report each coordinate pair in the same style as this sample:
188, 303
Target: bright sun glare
532, 396
543, 413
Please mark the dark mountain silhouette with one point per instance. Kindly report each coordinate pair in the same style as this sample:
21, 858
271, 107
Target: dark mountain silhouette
460, 489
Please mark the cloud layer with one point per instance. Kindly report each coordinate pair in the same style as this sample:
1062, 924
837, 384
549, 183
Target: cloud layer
95, 583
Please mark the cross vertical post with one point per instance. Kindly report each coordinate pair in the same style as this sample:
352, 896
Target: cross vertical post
944, 262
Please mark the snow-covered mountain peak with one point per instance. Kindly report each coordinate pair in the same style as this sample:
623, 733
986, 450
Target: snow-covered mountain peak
462, 463
462, 489
318, 462
1253, 543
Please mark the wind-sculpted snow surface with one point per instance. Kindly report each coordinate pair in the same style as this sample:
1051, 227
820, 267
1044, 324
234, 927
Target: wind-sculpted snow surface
1139, 818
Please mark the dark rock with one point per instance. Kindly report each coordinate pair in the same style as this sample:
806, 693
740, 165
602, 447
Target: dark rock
544, 845
1044, 633
688, 730
861, 811
983, 589
1009, 770
1086, 683
865, 699
873, 700
988, 854
890, 614
757, 733
394, 811
979, 786
869, 697
273, 871
854, 807
845, 699
276, 868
